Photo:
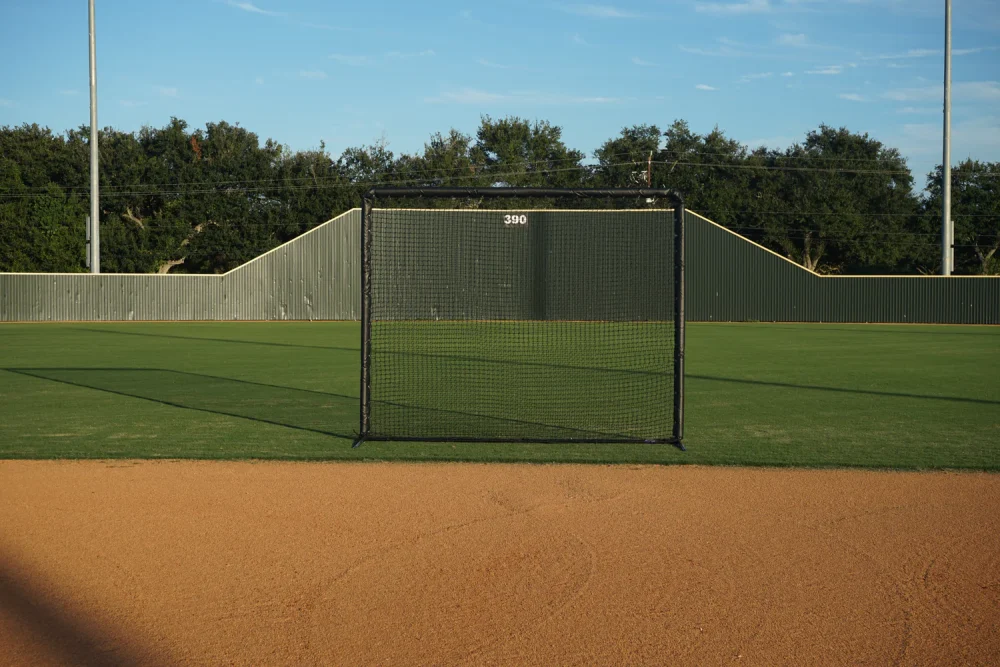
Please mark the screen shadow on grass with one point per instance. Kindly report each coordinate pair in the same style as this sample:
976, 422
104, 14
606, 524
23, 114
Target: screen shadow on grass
205, 339
302, 409
319, 412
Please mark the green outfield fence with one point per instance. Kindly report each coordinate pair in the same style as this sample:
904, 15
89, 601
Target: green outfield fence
732, 279
317, 277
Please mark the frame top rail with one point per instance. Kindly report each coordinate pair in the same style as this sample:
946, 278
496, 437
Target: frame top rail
505, 192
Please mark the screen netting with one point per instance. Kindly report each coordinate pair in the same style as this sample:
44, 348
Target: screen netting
521, 325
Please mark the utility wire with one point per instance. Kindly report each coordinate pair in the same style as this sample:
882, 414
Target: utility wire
484, 170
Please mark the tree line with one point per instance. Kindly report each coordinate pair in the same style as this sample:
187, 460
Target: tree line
176, 199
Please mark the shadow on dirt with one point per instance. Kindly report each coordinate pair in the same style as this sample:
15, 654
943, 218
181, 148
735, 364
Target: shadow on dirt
69, 635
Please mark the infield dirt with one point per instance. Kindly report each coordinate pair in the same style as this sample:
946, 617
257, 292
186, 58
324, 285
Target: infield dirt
166, 562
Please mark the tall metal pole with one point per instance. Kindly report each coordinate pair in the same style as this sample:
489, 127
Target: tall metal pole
947, 230
95, 202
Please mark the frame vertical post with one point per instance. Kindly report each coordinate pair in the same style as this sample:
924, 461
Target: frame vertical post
366, 316
95, 187
679, 322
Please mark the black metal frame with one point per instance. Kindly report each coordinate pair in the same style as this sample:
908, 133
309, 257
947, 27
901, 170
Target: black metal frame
368, 202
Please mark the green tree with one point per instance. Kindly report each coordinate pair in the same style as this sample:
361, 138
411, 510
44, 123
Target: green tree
975, 214
837, 202
707, 169
517, 152
312, 189
448, 160
623, 162
41, 211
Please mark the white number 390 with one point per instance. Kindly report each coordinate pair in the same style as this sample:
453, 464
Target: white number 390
515, 220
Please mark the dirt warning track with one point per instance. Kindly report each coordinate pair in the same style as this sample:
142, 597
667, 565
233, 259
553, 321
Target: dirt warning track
293, 563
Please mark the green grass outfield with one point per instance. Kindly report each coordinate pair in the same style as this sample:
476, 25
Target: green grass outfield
757, 394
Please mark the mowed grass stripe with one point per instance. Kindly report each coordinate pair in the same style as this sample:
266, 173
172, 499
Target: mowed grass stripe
908, 397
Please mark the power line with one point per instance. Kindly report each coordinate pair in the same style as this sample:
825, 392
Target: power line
453, 174
825, 170
484, 170
834, 213
336, 186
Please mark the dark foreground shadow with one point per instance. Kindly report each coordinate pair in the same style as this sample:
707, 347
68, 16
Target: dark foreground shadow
70, 635
319, 412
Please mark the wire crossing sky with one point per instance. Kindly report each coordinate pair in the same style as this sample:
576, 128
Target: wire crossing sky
305, 71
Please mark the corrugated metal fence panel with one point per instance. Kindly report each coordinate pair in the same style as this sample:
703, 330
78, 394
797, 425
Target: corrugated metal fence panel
314, 277
956, 300
77, 297
317, 277
731, 279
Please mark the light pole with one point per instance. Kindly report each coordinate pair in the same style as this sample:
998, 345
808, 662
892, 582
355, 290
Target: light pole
947, 230
95, 208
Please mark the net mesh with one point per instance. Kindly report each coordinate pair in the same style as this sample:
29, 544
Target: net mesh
513, 325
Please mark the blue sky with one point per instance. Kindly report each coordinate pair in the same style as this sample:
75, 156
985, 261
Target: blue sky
350, 73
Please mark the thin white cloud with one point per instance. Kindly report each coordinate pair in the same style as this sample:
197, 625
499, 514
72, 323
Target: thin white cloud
576, 38
252, 8
829, 69
406, 55
852, 97
927, 53
470, 18
778, 143
789, 39
601, 11
467, 96
259, 81
476, 96
312, 74
702, 86
788, 74
734, 8
721, 52
353, 61
326, 26
978, 91
747, 78
978, 138
918, 110
642, 63
488, 63
6, 103
167, 91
